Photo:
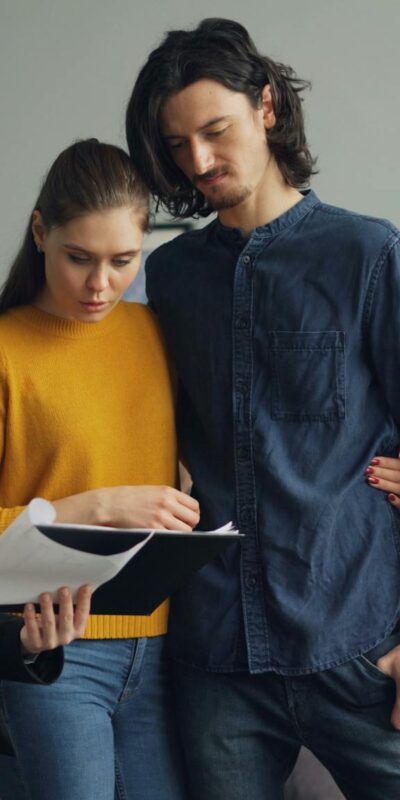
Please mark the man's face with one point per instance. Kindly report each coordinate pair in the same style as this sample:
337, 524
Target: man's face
218, 140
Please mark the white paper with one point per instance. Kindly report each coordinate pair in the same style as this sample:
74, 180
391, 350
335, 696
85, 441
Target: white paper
31, 563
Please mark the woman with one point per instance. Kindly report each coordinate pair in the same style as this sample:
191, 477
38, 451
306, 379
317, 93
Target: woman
86, 402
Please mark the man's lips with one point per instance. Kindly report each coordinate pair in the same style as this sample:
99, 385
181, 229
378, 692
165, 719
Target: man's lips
209, 179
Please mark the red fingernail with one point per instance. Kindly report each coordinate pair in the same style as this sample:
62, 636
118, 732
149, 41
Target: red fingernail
369, 471
375, 462
373, 480
392, 498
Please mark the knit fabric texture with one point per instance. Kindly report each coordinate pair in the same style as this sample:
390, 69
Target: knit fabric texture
84, 406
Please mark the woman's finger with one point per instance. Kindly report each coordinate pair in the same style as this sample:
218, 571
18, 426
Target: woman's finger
173, 522
386, 463
186, 515
389, 475
176, 510
47, 622
188, 501
30, 633
382, 485
384, 474
82, 610
65, 619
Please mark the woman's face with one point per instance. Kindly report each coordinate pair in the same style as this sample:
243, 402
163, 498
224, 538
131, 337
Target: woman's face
89, 262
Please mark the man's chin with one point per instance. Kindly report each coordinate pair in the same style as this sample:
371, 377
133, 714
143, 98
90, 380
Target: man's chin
228, 199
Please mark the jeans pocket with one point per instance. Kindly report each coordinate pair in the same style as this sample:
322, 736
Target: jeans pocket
308, 369
370, 659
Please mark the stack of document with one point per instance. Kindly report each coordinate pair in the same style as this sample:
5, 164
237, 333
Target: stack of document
132, 570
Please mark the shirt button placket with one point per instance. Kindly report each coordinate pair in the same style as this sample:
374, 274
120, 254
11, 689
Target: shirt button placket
252, 593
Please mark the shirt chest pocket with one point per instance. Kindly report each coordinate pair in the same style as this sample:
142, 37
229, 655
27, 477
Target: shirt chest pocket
308, 375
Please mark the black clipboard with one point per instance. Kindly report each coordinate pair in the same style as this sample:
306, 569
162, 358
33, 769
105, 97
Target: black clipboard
158, 570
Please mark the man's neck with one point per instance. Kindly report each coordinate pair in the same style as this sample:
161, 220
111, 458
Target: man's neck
272, 199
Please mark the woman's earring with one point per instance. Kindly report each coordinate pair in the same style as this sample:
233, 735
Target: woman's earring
39, 249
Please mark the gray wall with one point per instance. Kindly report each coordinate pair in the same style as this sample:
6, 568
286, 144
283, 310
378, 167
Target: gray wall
67, 68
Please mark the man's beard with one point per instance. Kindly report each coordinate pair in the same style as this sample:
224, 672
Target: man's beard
219, 199
229, 199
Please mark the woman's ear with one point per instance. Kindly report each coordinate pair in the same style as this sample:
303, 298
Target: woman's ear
268, 107
38, 230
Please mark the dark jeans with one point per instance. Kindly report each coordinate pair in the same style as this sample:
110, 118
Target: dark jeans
242, 733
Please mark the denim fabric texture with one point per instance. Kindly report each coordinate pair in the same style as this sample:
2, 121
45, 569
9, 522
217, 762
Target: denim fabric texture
287, 349
243, 732
106, 728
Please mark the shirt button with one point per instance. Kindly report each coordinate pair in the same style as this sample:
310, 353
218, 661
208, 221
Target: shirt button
246, 259
251, 581
246, 514
242, 323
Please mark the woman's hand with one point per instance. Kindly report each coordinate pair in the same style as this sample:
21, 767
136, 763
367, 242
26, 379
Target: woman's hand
384, 474
50, 630
160, 507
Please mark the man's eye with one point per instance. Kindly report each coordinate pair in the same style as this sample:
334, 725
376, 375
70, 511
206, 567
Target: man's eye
175, 145
217, 133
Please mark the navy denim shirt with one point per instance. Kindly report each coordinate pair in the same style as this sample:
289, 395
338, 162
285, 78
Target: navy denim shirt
287, 346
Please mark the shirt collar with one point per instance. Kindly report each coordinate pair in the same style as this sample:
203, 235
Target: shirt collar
290, 217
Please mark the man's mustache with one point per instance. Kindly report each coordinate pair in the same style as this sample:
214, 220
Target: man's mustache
212, 173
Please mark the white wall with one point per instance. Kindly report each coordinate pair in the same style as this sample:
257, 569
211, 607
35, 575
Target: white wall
67, 68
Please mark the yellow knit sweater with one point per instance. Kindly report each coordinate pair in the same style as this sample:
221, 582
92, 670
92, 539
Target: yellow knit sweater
85, 405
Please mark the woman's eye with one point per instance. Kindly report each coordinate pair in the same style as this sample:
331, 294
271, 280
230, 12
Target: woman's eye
121, 262
78, 259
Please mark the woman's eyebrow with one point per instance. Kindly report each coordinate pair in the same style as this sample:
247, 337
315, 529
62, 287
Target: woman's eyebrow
71, 246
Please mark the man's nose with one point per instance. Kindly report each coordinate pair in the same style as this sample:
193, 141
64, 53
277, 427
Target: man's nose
202, 157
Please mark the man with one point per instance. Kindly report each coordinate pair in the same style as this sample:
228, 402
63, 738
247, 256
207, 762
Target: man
282, 317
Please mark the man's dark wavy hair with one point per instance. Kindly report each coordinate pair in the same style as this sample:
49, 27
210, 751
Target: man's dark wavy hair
220, 50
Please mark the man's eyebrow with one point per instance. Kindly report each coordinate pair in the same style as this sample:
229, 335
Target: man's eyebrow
208, 124
72, 246
80, 249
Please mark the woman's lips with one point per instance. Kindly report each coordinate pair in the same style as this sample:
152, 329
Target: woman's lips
94, 306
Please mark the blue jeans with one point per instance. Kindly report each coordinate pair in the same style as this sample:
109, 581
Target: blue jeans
106, 729
242, 733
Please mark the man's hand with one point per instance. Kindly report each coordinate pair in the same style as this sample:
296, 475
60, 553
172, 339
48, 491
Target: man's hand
50, 630
390, 665
384, 474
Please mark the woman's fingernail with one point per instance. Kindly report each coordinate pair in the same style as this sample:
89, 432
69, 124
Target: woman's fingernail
375, 462
392, 498
369, 471
373, 480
